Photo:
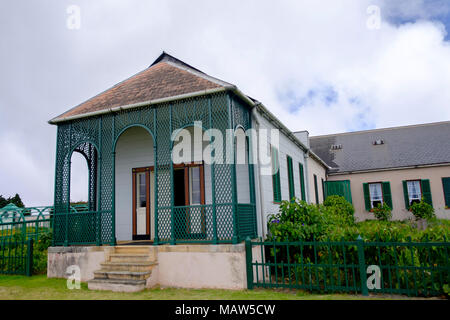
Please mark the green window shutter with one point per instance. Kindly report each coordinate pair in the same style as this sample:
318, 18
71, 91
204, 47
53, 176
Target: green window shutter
290, 178
316, 190
366, 196
302, 182
446, 187
426, 191
405, 194
276, 177
387, 196
323, 190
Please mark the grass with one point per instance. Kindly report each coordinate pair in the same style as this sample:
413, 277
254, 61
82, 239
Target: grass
40, 288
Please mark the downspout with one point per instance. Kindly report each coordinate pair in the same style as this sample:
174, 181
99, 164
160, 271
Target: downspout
305, 157
255, 116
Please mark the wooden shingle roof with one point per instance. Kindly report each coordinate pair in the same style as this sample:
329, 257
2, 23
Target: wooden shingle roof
166, 77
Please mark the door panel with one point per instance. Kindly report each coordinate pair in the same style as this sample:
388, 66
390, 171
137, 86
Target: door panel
143, 202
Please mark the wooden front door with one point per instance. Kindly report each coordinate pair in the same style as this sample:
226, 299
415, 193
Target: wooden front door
143, 202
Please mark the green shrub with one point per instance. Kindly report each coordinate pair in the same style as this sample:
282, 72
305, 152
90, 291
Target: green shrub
338, 210
297, 220
40, 253
422, 210
382, 212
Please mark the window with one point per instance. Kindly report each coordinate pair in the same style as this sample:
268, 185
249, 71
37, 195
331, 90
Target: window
194, 186
276, 184
302, 181
376, 194
316, 190
446, 186
290, 178
415, 190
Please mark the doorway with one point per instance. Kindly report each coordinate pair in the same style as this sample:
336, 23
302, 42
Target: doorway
143, 203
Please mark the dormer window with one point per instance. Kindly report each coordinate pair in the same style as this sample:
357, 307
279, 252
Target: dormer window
336, 146
378, 142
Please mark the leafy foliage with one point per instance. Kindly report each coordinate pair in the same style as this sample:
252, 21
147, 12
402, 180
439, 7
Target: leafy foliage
382, 212
16, 200
422, 210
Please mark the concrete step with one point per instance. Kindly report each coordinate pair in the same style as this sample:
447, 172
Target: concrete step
118, 285
130, 257
128, 266
134, 249
122, 275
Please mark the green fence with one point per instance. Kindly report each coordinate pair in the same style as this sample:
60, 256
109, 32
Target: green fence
16, 256
411, 268
26, 223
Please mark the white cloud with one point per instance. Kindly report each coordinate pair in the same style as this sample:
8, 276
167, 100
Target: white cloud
313, 63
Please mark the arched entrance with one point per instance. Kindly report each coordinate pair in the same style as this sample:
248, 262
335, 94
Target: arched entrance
134, 184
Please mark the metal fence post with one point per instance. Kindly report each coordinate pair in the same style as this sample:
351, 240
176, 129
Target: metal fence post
248, 262
362, 265
29, 265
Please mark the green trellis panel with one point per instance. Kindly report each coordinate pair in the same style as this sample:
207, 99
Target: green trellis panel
95, 138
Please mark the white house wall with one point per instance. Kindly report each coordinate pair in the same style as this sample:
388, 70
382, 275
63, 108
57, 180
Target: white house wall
264, 200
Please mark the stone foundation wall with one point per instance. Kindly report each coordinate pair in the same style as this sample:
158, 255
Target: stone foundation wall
181, 266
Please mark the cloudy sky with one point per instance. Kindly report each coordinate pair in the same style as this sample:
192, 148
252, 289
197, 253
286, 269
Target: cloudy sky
321, 65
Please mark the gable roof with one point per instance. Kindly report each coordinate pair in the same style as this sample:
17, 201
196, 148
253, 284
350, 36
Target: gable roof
416, 145
165, 77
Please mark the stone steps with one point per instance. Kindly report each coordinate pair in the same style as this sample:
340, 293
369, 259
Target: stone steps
117, 285
126, 269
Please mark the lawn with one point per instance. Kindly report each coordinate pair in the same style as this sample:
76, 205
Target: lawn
41, 288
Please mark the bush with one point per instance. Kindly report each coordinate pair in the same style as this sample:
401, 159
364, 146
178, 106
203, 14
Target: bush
40, 253
382, 212
297, 220
422, 210
338, 210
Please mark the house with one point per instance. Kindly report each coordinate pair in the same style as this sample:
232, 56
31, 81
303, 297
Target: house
162, 149
398, 166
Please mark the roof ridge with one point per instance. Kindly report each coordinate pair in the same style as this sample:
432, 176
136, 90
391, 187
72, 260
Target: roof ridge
173, 61
380, 129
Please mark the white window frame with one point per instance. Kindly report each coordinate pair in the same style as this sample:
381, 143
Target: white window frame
380, 198
410, 186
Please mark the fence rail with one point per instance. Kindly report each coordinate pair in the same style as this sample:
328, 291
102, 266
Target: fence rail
16, 256
411, 268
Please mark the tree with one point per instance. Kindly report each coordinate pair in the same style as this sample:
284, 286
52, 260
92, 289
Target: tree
16, 200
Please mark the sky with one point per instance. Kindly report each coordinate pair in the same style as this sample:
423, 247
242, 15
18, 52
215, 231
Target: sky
324, 66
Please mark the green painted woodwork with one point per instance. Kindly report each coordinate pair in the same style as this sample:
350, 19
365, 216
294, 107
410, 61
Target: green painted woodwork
316, 190
426, 191
338, 188
276, 183
302, 181
387, 196
366, 196
405, 194
95, 137
290, 178
410, 268
446, 187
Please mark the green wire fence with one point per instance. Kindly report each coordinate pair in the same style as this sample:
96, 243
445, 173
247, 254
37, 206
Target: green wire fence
411, 268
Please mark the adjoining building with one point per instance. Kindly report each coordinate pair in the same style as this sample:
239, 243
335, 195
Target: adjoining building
398, 166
